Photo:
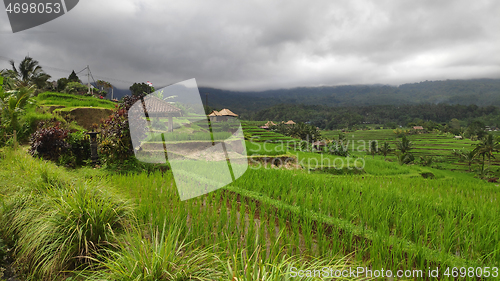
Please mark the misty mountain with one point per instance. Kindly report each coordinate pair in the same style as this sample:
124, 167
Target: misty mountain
481, 92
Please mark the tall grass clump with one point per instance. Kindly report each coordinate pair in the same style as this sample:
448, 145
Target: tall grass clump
158, 254
57, 224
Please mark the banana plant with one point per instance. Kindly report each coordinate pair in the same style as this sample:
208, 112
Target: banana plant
12, 105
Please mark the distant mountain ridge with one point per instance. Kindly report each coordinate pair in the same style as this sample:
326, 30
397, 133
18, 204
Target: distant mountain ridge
481, 92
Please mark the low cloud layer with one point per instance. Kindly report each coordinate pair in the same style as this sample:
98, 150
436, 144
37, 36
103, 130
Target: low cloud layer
255, 45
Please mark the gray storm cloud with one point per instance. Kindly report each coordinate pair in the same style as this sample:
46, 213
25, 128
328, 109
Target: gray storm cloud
267, 44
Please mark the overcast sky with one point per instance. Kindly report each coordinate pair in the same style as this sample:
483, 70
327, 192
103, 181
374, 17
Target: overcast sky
266, 44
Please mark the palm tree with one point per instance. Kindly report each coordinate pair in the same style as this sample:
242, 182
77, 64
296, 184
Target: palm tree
373, 148
468, 156
487, 147
385, 149
405, 145
28, 73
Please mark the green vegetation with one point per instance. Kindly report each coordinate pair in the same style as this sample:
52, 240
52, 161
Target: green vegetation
403, 198
69, 100
58, 223
75, 224
28, 74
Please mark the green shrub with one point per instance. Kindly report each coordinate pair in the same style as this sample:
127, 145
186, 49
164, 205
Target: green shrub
54, 143
80, 147
75, 88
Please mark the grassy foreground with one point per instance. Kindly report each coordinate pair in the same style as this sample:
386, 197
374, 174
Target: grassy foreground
90, 225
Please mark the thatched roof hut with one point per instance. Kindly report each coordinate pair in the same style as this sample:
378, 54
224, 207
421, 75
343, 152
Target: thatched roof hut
156, 107
221, 115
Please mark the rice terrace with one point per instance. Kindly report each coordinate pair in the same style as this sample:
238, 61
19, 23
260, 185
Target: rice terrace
315, 192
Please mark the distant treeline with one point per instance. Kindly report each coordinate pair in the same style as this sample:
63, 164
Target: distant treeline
481, 92
327, 117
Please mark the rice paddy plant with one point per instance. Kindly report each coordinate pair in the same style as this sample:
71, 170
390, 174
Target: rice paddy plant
243, 236
246, 265
440, 215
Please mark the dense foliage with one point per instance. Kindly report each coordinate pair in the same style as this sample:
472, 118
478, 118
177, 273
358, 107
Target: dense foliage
116, 143
27, 74
54, 141
138, 89
73, 77
49, 142
301, 131
75, 88
12, 108
430, 116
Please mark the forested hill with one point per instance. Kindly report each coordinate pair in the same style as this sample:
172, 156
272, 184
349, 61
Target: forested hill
387, 115
481, 92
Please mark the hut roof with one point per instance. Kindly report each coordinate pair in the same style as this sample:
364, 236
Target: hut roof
156, 105
224, 112
227, 112
418, 128
290, 122
270, 123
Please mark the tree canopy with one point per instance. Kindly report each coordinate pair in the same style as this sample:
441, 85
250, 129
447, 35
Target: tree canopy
73, 77
141, 89
28, 73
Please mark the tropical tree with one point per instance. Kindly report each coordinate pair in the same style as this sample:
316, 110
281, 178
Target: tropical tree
373, 148
487, 147
299, 130
104, 85
138, 89
468, 156
75, 88
73, 77
61, 84
385, 149
29, 73
405, 145
12, 104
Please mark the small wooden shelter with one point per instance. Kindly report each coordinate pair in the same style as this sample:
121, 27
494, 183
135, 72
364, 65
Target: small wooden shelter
158, 108
223, 115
